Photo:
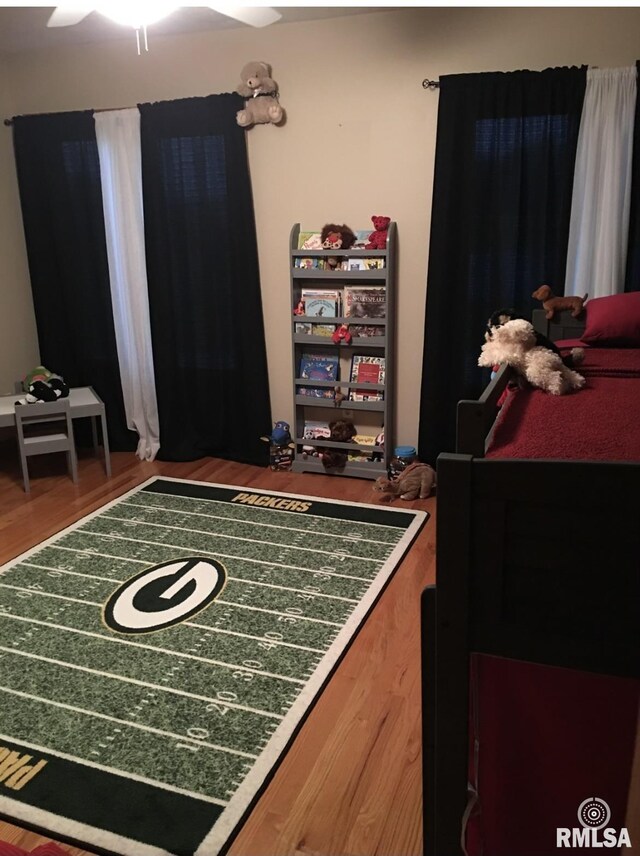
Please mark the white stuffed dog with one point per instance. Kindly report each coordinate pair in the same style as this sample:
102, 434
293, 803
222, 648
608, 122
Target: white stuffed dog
515, 343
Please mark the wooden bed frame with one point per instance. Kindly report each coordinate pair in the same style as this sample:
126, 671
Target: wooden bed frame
573, 592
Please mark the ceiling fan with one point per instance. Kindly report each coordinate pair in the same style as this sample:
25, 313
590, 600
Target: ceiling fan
144, 12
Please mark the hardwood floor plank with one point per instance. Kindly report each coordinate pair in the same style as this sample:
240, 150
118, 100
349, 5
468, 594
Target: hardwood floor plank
350, 784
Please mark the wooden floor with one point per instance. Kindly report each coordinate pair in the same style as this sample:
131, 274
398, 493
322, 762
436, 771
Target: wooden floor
351, 783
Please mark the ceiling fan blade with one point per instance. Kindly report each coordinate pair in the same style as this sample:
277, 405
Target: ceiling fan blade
66, 16
255, 16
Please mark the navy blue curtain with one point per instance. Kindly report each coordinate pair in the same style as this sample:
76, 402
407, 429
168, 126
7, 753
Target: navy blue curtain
204, 286
632, 280
61, 198
505, 154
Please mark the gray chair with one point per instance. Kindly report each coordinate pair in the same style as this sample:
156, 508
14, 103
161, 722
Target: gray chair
43, 428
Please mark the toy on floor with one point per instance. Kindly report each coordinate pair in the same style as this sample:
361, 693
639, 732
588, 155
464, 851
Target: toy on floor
515, 343
416, 482
261, 91
378, 238
550, 303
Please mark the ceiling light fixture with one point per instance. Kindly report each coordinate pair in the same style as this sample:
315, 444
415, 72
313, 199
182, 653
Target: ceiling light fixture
137, 15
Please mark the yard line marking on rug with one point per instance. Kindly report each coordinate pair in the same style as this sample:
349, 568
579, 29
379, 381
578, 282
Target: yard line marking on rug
239, 580
36, 747
352, 538
331, 553
145, 684
127, 723
104, 638
120, 641
275, 612
181, 550
307, 516
238, 558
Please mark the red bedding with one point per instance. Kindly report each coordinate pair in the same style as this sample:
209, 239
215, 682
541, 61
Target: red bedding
606, 362
599, 422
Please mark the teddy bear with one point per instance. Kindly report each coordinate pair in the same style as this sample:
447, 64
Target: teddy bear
261, 92
514, 343
416, 481
378, 238
335, 237
340, 431
551, 303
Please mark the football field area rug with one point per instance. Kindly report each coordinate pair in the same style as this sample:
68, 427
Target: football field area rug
158, 656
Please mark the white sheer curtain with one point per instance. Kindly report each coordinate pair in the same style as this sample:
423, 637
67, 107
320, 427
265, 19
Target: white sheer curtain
118, 136
599, 226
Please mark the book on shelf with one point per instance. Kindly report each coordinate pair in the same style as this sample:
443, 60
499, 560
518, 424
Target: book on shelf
362, 264
367, 369
309, 264
309, 241
362, 440
322, 367
321, 303
314, 430
308, 329
366, 331
364, 301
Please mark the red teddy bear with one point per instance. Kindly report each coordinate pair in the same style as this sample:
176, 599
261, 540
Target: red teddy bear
378, 239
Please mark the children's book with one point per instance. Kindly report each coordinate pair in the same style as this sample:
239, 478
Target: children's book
316, 430
367, 369
366, 331
321, 303
322, 367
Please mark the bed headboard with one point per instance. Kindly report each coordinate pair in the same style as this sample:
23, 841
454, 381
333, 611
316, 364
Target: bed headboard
561, 326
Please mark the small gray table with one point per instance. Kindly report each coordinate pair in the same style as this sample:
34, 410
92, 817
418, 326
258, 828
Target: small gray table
83, 401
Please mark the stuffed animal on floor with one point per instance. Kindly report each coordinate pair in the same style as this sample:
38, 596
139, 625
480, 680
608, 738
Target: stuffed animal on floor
378, 238
261, 92
515, 343
501, 316
415, 482
341, 431
550, 303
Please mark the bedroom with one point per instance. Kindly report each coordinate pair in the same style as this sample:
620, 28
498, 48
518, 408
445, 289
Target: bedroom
352, 89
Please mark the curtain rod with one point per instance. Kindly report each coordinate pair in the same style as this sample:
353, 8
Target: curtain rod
430, 84
9, 122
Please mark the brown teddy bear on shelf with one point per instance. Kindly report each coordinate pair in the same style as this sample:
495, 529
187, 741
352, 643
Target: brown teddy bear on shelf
378, 238
261, 92
335, 237
551, 303
415, 482
341, 431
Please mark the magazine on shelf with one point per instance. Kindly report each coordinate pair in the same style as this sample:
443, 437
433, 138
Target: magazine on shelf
365, 301
367, 369
321, 303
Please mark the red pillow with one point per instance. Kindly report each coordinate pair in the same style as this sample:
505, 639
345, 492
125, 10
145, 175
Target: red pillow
613, 320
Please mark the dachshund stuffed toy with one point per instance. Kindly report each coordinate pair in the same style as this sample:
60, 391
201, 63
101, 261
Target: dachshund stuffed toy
515, 343
550, 303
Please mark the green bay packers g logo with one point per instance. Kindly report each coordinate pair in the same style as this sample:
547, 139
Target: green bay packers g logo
164, 595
